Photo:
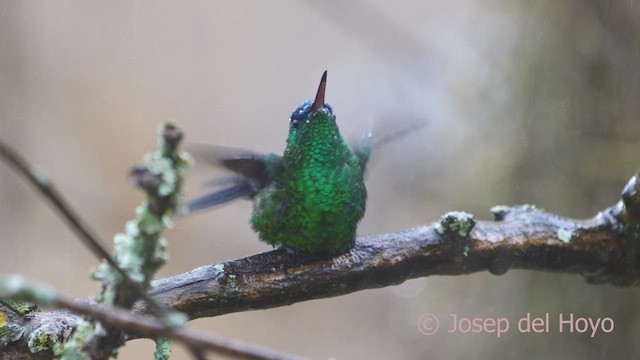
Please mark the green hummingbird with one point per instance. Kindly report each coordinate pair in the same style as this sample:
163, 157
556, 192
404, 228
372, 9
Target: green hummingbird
312, 197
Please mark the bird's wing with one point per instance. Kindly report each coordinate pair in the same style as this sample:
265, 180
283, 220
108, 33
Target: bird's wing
219, 197
253, 171
245, 163
386, 137
374, 140
362, 148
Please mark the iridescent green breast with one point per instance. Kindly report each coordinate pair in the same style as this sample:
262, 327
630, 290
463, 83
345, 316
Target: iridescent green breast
319, 197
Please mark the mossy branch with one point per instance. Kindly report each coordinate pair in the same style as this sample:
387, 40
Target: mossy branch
140, 251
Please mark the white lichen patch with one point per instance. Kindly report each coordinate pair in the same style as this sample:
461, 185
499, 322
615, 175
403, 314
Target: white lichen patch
564, 235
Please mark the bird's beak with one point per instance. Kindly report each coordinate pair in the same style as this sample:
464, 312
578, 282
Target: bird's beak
318, 103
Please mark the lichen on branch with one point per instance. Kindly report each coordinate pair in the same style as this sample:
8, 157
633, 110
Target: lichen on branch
141, 249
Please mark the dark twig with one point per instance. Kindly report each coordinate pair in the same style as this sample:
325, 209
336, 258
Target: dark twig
40, 180
153, 327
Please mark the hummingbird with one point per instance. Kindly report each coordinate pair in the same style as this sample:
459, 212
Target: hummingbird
311, 197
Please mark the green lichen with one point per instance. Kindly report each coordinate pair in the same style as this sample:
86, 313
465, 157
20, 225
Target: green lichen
74, 348
9, 333
163, 349
162, 168
131, 228
49, 337
219, 267
11, 324
25, 307
45, 339
457, 222
148, 222
564, 235
141, 249
21, 307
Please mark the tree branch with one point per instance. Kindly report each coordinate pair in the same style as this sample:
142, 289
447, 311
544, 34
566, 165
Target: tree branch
603, 249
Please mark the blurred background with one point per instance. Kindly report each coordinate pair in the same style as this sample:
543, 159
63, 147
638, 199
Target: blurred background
527, 102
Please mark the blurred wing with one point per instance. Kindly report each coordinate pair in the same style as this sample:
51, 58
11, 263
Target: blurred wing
362, 148
386, 137
241, 189
252, 173
251, 166
243, 162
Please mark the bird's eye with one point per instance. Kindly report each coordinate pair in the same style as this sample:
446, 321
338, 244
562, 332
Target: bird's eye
295, 123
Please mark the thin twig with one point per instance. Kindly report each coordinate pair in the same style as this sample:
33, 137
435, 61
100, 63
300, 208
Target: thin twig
40, 180
18, 288
153, 327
